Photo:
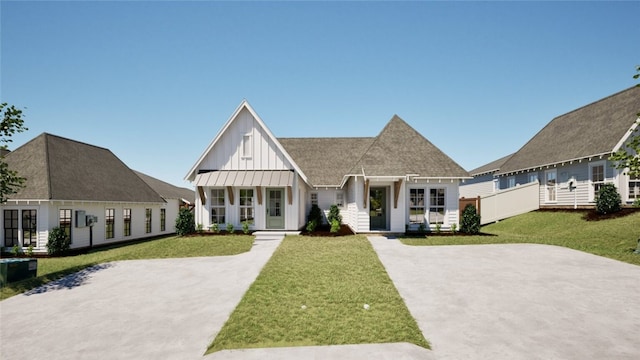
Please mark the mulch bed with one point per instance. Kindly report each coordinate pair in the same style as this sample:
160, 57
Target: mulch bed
325, 231
592, 215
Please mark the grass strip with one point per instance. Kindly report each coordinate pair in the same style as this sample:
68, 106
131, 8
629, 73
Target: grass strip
51, 269
313, 291
613, 238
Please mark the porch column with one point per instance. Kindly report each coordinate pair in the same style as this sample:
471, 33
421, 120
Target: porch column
365, 196
230, 193
201, 192
259, 192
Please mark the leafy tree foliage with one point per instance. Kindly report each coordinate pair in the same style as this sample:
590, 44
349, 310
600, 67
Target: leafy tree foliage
628, 157
185, 223
334, 215
58, 242
12, 123
608, 200
470, 223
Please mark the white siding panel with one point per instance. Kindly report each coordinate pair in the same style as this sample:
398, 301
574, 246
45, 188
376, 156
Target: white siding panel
227, 152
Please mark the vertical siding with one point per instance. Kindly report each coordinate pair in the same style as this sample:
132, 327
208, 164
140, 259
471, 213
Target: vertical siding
227, 152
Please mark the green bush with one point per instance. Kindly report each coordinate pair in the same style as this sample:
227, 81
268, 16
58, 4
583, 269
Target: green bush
315, 214
311, 226
185, 223
470, 223
245, 227
334, 214
215, 228
230, 228
335, 226
58, 242
608, 200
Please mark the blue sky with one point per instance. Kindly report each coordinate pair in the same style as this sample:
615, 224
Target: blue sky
155, 81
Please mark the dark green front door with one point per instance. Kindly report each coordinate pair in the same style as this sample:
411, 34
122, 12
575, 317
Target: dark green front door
378, 208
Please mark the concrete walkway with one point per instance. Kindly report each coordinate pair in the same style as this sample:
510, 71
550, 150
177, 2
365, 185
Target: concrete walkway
520, 301
144, 309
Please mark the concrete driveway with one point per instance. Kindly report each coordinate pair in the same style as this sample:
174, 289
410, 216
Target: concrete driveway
520, 301
146, 309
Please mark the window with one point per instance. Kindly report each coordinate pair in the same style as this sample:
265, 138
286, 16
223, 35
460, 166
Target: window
416, 206
314, 198
109, 218
340, 199
246, 205
246, 146
533, 177
126, 218
29, 227
551, 185
634, 187
163, 219
436, 206
597, 179
511, 181
147, 221
217, 206
10, 227
64, 219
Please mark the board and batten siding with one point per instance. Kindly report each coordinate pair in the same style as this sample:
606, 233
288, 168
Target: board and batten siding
227, 153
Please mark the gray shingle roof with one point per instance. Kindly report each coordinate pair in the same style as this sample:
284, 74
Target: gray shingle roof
491, 167
398, 150
166, 190
591, 130
57, 168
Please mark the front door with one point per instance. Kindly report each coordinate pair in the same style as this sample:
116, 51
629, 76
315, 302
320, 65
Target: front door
378, 208
275, 208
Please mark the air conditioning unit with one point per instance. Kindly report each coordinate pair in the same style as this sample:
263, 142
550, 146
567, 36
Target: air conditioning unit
91, 219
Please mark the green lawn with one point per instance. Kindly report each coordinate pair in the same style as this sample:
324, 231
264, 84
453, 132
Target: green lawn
613, 238
50, 269
312, 292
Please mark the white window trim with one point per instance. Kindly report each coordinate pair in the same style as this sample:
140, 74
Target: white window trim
592, 195
253, 205
247, 141
511, 182
340, 193
311, 201
424, 206
445, 218
224, 205
629, 180
546, 189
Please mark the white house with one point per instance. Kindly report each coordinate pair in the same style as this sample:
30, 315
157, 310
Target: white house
569, 157
87, 191
386, 183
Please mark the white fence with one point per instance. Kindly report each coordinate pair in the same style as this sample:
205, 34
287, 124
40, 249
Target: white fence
509, 202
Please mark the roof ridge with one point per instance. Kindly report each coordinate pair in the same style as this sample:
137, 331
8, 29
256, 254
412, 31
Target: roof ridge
595, 102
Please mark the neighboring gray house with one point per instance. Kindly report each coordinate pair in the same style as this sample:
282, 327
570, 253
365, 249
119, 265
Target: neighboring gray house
87, 191
484, 181
569, 156
386, 183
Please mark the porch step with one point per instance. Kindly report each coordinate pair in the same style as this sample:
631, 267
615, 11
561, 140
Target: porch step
273, 235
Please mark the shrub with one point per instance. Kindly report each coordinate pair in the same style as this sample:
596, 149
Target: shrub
215, 228
230, 228
608, 200
185, 223
199, 228
245, 227
311, 226
422, 228
636, 203
16, 250
30, 251
315, 214
470, 223
335, 226
334, 214
438, 228
454, 227
58, 242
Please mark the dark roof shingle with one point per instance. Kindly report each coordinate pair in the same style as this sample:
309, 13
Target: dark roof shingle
57, 168
594, 129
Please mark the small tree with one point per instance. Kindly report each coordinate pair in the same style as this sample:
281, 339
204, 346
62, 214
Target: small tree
12, 123
59, 243
315, 214
185, 222
470, 223
608, 200
334, 215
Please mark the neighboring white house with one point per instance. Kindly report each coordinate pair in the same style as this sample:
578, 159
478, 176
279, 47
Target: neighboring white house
387, 183
569, 156
87, 191
484, 181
